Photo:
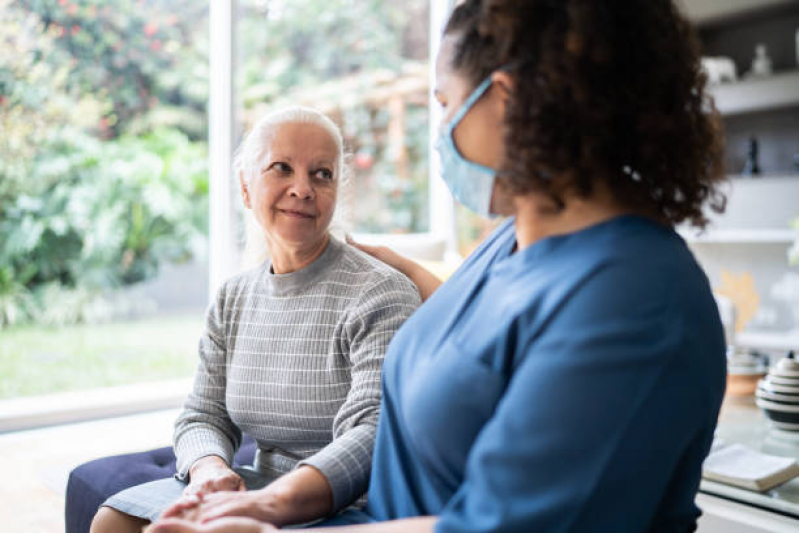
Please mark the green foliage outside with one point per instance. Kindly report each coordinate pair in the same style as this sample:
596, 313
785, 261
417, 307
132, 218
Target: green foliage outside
99, 215
290, 47
103, 151
103, 167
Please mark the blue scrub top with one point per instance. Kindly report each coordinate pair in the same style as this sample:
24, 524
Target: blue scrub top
570, 386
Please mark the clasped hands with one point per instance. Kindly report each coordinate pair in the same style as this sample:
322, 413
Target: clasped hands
216, 499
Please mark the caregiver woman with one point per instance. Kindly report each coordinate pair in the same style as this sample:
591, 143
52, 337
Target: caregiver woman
569, 375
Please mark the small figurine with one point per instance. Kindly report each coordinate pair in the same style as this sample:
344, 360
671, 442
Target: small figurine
752, 165
761, 65
719, 69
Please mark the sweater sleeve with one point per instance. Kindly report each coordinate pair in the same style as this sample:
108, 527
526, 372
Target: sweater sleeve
204, 427
370, 325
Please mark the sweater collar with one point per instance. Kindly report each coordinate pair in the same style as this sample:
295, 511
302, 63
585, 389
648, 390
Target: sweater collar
297, 281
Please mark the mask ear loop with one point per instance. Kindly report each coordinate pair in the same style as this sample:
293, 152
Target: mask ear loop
469, 103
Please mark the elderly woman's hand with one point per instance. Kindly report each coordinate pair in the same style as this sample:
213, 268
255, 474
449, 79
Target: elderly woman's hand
223, 525
212, 474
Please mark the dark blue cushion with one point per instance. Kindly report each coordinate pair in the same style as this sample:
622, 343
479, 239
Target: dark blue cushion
90, 484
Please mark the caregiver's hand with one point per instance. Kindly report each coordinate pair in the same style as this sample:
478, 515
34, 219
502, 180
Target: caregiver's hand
212, 474
223, 525
298, 496
426, 282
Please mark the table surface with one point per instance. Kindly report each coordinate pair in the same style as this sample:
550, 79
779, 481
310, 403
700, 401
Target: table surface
743, 422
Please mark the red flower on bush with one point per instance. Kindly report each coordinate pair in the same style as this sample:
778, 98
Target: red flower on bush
363, 161
150, 29
155, 45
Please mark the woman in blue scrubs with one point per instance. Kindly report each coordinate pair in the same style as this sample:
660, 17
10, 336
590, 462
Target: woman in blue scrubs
568, 376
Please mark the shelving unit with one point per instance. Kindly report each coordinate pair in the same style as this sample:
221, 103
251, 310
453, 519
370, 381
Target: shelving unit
757, 94
741, 236
759, 210
754, 233
704, 12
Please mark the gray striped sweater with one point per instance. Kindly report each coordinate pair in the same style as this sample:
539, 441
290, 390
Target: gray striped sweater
294, 360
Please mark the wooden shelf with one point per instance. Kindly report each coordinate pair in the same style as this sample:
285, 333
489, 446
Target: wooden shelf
741, 236
757, 94
704, 12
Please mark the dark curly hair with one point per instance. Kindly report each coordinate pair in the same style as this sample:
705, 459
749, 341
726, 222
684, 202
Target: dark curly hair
605, 90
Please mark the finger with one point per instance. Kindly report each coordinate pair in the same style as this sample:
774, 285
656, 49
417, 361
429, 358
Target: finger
180, 506
182, 503
238, 525
364, 247
173, 525
218, 505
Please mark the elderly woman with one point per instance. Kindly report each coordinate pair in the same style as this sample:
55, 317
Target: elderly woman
568, 377
291, 355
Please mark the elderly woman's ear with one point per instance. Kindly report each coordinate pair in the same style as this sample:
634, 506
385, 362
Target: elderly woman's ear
245, 193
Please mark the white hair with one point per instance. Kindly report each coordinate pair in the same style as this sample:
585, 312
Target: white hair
248, 162
248, 159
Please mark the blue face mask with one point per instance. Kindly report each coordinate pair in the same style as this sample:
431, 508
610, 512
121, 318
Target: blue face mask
470, 183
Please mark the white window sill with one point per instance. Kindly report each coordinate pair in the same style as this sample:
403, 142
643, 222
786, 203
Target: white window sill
39, 411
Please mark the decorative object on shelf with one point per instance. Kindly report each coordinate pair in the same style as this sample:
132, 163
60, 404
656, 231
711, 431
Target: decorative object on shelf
719, 69
745, 369
777, 394
761, 65
752, 165
740, 288
786, 289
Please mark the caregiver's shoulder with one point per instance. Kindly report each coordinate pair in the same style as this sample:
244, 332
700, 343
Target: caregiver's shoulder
636, 267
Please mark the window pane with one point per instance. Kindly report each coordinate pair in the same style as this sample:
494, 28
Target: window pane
103, 191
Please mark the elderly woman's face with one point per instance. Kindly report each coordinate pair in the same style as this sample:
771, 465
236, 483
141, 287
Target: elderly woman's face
294, 195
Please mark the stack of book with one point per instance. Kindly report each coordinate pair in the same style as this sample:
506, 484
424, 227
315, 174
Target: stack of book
744, 467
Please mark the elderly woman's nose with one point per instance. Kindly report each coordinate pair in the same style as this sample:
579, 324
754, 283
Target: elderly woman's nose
302, 187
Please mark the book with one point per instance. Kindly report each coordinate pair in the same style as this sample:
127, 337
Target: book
744, 467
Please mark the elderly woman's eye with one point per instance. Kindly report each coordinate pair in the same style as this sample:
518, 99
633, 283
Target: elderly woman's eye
324, 174
281, 167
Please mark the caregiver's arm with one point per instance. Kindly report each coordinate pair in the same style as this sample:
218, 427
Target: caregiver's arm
426, 282
302, 495
423, 524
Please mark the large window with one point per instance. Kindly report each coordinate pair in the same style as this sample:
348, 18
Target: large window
103, 191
